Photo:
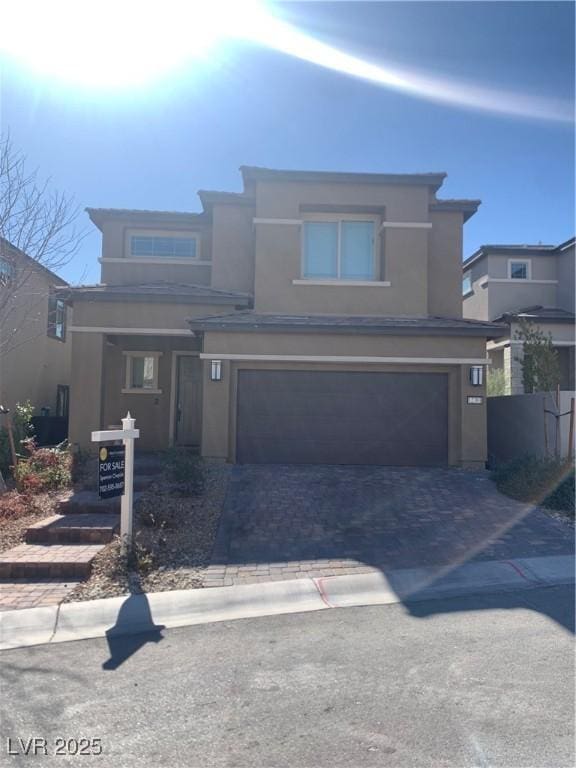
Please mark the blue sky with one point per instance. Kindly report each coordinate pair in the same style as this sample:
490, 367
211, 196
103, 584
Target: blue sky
154, 147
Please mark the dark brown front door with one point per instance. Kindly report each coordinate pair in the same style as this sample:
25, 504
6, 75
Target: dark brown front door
318, 417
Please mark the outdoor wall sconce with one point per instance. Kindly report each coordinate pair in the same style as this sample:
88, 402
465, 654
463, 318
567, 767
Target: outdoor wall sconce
216, 370
476, 375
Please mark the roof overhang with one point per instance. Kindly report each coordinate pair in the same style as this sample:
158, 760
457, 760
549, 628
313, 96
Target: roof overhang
253, 323
132, 295
99, 216
253, 173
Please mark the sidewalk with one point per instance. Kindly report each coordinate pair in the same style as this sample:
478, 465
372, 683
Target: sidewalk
135, 614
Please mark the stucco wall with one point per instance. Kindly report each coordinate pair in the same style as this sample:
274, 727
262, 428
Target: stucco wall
445, 264
233, 248
32, 364
566, 261
509, 297
467, 423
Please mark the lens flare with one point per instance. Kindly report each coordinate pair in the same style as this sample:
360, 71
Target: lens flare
133, 42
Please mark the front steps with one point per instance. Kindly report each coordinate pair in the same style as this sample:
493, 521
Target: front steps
64, 545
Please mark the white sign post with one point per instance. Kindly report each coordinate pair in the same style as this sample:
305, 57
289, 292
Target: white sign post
127, 434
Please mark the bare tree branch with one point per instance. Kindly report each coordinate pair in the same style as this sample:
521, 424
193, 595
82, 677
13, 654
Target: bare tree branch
37, 229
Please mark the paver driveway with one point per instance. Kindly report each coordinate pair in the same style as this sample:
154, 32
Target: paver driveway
283, 521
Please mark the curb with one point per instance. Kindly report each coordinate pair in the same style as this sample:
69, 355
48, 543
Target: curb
133, 614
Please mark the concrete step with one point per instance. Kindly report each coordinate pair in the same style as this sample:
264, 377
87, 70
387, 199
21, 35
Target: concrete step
87, 528
44, 561
82, 502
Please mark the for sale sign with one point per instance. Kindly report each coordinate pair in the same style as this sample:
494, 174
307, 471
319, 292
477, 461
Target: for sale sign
111, 464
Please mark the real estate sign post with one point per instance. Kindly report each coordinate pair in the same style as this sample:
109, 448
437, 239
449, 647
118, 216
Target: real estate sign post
116, 471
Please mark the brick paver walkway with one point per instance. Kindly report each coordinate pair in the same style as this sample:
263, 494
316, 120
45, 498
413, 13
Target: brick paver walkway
21, 593
284, 522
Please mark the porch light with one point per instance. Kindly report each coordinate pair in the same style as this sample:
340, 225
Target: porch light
216, 370
476, 375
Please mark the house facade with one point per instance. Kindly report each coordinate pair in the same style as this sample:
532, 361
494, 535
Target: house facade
35, 350
508, 283
311, 318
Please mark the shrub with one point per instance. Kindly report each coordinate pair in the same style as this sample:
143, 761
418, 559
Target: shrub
45, 468
21, 430
187, 469
496, 382
13, 505
548, 482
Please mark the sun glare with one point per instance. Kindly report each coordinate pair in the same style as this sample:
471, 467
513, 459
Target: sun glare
128, 43
117, 43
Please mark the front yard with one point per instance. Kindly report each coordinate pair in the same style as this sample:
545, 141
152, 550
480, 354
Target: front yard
175, 526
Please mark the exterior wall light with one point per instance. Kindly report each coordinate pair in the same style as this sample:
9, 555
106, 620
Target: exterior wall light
216, 370
476, 375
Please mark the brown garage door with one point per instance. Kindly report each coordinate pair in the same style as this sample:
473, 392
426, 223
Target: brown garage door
312, 417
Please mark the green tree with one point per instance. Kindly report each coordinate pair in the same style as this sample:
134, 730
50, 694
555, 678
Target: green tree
540, 363
496, 382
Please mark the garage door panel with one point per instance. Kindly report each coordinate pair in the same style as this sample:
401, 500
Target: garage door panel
342, 418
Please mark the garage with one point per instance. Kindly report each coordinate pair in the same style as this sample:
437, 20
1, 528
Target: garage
342, 417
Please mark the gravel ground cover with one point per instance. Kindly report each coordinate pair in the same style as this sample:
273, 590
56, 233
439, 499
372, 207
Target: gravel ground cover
175, 528
37, 507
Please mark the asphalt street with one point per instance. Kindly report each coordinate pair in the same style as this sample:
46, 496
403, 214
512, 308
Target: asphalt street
477, 681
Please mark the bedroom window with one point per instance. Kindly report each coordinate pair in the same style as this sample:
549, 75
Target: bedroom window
164, 247
519, 270
339, 250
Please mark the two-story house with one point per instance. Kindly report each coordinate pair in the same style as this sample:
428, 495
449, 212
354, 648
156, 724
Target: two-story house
35, 353
315, 317
506, 283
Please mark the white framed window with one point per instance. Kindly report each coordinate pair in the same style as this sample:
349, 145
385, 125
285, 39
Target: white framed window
519, 269
141, 373
339, 249
466, 283
56, 319
146, 244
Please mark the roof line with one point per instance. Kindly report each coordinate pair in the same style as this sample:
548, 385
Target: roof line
257, 173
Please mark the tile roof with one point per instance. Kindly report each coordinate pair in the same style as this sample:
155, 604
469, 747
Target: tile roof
438, 326
548, 314
255, 173
159, 291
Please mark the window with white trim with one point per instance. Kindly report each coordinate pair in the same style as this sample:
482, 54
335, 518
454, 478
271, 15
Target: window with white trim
341, 249
56, 318
164, 246
467, 283
519, 269
141, 372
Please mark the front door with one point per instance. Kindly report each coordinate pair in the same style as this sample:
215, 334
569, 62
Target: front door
188, 400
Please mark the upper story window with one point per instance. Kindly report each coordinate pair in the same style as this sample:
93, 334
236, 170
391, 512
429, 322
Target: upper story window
341, 249
164, 246
56, 318
466, 283
519, 269
6, 272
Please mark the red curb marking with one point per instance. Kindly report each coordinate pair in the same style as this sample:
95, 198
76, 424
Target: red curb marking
520, 572
318, 583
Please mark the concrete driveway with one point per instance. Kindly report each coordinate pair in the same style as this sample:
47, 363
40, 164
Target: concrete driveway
286, 521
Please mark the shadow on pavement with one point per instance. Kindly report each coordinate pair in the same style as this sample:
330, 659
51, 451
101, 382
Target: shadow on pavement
134, 615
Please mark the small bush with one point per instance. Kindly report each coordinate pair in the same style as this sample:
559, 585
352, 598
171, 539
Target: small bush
548, 482
187, 469
21, 430
496, 382
13, 505
140, 558
45, 469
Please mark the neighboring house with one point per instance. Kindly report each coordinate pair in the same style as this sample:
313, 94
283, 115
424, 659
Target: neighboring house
35, 352
505, 283
312, 318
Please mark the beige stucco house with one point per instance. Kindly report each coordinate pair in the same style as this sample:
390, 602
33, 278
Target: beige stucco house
314, 317
506, 283
35, 349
